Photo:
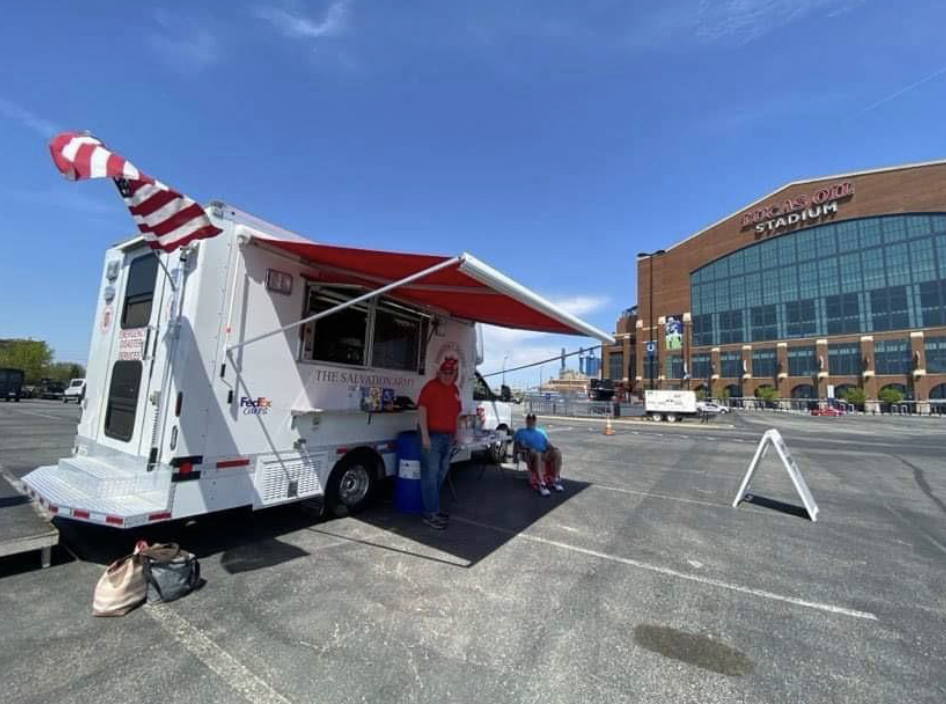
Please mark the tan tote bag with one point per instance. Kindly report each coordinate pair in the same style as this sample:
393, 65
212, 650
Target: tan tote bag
122, 587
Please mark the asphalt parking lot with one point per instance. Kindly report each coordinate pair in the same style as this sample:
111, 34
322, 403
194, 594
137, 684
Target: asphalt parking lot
639, 584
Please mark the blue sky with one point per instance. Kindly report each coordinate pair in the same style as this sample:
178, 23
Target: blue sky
553, 140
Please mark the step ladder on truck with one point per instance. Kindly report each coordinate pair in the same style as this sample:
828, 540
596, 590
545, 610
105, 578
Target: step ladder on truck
257, 368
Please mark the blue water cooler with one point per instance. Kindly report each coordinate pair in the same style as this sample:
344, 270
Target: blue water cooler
407, 493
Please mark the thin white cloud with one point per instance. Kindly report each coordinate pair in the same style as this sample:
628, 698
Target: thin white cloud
298, 26
182, 44
509, 348
732, 21
906, 89
27, 119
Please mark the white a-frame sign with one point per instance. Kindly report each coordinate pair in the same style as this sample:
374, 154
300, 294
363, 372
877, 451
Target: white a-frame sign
774, 437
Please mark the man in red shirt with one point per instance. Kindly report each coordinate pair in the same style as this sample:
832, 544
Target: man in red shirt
438, 411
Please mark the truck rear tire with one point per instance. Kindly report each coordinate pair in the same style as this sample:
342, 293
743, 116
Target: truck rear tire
352, 485
671, 417
498, 452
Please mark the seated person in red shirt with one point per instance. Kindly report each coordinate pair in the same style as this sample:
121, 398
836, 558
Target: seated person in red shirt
543, 458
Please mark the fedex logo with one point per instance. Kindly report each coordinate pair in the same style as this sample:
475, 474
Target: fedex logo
255, 406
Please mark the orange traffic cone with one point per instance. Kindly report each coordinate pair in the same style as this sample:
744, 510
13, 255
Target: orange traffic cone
608, 430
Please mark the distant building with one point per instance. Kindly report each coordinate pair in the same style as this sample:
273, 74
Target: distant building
568, 382
618, 361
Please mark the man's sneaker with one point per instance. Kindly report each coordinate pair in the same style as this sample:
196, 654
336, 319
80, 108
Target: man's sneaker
558, 486
543, 491
435, 522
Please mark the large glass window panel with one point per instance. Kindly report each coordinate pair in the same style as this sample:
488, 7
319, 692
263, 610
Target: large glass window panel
922, 260
722, 295
139, 292
892, 356
844, 359
898, 264
827, 242
828, 278
850, 266
805, 241
730, 327
122, 404
737, 292
764, 323
894, 228
869, 232
731, 363
736, 260
673, 366
940, 243
769, 254
702, 329
764, 363
808, 280
616, 366
872, 266
800, 318
918, 225
935, 348
847, 236
751, 259
786, 250
931, 304
700, 366
801, 361
753, 289
788, 283
938, 223
651, 368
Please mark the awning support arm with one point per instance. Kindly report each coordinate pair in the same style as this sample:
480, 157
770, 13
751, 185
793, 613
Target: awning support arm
354, 301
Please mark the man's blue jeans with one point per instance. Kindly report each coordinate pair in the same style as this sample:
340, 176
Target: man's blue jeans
434, 464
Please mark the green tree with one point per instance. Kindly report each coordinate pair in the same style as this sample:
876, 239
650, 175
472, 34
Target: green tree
702, 394
888, 395
64, 371
856, 396
32, 356
767, 394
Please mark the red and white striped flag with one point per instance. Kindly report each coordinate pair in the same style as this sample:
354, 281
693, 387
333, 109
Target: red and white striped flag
166, 219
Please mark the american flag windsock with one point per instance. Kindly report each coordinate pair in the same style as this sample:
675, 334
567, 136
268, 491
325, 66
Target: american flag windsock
166, 219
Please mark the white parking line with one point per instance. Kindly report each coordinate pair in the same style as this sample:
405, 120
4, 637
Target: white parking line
708, 581
230, 670
34, 413
621, 490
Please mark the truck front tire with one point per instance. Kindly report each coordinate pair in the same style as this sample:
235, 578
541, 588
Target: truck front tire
351, 485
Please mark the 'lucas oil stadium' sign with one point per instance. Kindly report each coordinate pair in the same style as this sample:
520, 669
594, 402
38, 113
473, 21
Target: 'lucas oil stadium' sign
803, 208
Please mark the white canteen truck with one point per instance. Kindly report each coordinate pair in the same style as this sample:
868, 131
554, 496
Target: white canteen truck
669, 405
258, 368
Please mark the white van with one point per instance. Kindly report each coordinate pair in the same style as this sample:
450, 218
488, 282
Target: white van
257, 368
74, 392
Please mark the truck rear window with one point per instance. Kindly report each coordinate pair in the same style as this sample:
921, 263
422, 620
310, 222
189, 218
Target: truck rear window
123, 400
139, 292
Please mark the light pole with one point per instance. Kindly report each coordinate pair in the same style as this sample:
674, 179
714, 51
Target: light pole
504, 370
651, 358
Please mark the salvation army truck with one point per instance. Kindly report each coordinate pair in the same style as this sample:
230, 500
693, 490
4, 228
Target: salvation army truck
257, 368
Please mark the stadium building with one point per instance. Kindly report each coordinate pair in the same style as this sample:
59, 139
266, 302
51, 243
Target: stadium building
820, 286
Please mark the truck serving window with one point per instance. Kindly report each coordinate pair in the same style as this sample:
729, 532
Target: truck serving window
398, 337
123, 400
340, 337
139, 292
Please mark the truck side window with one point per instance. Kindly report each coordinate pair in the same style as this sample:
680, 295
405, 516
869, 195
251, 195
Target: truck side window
139, 292
342, 336
481, 392
398, 337
123, 400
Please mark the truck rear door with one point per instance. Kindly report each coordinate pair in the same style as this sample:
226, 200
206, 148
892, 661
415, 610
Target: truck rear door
127, 420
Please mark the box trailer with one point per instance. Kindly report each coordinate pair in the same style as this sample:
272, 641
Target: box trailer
669, 405
257, 368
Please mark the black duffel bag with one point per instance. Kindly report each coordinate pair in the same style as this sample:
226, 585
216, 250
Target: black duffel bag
169, 572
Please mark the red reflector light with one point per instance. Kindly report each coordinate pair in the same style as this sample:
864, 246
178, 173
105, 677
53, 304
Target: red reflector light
185, 468
341, 451
53, 508
159, 516
232, 463
76, 513
114, 520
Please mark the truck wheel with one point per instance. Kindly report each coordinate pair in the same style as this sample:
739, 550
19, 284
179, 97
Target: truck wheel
498, 452
351, 485
671, 417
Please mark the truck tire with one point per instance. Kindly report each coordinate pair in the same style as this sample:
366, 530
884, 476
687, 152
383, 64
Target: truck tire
351, 485
670, 417
498, 452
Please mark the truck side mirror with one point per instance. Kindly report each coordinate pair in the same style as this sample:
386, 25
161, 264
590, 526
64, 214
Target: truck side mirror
504, 393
